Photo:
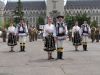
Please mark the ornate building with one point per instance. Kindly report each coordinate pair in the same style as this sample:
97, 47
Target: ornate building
34, 9
2, 5
90, 7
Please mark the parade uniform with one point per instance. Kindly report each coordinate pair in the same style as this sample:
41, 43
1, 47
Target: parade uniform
4, 34
93, 33
11, 37
85, 31
97, 35
76, 34
22, 32
49, 35
30, 34
61, 32
35, 33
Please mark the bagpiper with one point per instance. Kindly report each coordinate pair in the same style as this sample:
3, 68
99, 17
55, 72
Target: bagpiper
76, 35
61, 34
12, 41
49, 35
85, 32
22, 32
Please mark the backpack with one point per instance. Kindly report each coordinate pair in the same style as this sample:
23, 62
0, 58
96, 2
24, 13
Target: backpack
57, 29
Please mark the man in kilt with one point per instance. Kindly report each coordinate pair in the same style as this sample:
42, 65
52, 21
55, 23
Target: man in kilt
11, 37
22, 32
49, 35
85, 32
61, 34
76, 36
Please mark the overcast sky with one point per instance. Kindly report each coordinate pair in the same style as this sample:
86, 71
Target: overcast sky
26, 0
34, 0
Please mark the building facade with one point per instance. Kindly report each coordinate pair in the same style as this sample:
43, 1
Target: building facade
2, 5
34, 9
90, 7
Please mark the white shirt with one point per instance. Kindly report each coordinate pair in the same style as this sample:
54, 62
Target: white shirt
49, 29
89, 30
61, 29
74, 29
22, 34
11, 29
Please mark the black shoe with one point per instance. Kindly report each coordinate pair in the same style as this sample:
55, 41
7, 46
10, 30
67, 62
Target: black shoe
58, 55
21, 51
85, 48
61, 55
11, 51
62, 59
76, 50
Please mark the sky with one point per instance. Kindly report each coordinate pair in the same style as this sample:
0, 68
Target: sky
27, 0
33, 0
5, 1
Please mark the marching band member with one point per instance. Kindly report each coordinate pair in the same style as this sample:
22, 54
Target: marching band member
97, 33
49, 34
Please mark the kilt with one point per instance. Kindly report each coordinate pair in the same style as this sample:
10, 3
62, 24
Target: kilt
12, 41
49, 43
76, 39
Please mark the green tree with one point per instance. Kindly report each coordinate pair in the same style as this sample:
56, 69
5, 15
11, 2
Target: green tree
94, 23
70, 21
81, 18
7, 23
40, 21
18, 12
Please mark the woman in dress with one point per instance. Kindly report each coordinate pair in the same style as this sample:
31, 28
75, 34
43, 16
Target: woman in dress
76, 35
11, 37
49, 34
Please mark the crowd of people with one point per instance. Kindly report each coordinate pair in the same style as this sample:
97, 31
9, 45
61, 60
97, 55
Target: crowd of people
53, 35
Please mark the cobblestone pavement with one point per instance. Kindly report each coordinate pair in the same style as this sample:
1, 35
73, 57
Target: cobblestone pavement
34, 60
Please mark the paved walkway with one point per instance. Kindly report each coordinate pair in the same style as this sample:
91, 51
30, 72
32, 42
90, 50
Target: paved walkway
34, 60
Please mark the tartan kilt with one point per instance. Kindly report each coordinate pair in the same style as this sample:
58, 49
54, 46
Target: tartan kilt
12, 41
49, 43
76, 39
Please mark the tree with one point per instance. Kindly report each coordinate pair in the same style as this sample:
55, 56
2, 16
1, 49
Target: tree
7, 23
18, 12
40, 21
70, 21
94, 24
81, 18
